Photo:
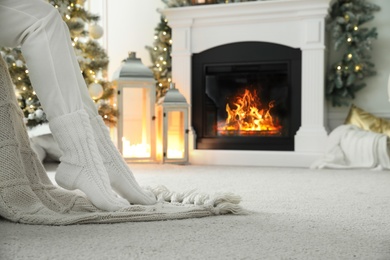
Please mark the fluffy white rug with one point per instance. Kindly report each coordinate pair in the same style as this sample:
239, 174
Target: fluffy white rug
296, 214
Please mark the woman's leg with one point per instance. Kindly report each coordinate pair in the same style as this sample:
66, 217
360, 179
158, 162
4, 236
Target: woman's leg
44, 37
121, 178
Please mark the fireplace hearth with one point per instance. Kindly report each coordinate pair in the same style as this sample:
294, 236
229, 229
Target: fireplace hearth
246, 96
294, 26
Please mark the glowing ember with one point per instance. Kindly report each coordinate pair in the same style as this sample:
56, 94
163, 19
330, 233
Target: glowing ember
246, 114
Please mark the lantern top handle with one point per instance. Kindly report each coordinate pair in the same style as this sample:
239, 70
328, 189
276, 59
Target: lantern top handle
173, 96
132, 67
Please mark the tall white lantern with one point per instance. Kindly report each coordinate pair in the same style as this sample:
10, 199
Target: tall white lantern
136, 106
172, 127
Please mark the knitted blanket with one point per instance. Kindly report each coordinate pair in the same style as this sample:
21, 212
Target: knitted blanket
28, 196
351, 147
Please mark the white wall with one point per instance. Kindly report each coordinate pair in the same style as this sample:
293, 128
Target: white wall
129, 26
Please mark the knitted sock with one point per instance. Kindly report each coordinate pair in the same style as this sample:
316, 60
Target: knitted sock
81, 166
121, 177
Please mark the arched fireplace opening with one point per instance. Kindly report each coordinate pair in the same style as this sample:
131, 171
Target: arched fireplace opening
246, 96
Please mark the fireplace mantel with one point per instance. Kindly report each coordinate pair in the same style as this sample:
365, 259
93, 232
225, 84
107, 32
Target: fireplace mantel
294, 23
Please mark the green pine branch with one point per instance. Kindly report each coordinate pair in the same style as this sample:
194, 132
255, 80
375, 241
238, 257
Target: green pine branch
345, 76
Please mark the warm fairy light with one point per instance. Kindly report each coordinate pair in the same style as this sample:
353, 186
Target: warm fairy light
358, 67
155, 37
169, 79
161, 58
155, 48
24, 88
165, 49
356, 28
26, 71
164, 62
67, 16
349, 39
29, 98
160, 84
170, 41
164, 33
34, 93
159, 69
157, 65
114, 104
14, 64
19, 78
349, 56
31, 106
73, 44
56, 6
105, 116
339, 67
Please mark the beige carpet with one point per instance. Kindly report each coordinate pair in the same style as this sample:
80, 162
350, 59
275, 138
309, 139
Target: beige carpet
296, 214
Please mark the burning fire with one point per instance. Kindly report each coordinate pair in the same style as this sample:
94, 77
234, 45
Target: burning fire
246, 114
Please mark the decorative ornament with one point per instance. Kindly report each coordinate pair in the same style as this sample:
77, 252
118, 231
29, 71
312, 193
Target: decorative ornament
39, 113
77, 25
31, 116
19, 63
95, 31
95, 90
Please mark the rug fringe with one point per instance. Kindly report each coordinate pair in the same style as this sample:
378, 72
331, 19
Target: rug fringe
219, 203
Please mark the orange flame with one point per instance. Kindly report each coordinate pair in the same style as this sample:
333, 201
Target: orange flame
248, 115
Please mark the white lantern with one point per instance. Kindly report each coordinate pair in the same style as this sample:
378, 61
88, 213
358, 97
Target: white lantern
172, 127
136, 106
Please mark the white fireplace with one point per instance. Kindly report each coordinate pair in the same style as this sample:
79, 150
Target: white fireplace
294, 23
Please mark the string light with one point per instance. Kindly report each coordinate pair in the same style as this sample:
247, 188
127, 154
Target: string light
26, 71
356, 28
349, 39
358, 68
349, 56
339, 67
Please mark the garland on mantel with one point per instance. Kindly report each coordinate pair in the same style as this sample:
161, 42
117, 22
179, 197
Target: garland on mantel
353, 44
179, 3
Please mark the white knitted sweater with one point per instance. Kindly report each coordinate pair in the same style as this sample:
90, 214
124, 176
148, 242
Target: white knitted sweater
28, 196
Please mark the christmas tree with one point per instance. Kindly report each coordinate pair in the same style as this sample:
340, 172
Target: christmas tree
353, 43
160, 55
92, 58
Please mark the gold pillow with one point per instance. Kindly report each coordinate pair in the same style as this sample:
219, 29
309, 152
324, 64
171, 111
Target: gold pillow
367, 121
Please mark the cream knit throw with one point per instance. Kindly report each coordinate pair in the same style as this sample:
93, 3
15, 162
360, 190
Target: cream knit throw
28, 196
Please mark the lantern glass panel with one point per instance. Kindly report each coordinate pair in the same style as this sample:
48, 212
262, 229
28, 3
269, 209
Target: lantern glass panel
136, 113
175, 135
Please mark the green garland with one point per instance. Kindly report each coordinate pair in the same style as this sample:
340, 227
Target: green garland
354, 43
